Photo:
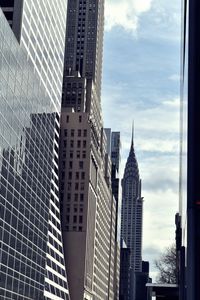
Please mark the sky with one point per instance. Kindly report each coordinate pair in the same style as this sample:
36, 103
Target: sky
141, 82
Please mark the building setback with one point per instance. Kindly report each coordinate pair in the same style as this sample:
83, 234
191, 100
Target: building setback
131, 222
87, 205
31, 253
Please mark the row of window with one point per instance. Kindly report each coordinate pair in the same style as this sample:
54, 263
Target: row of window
71, 155
72, 132
75, 208
74, 219
77, 185
79, 118
73, 228
84, 143
77, 175
75, 197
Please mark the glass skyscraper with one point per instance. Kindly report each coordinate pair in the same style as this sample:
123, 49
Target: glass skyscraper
31, 65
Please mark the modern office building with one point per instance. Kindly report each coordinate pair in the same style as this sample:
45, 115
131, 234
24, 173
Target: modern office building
131, 221
87, 204
31, 64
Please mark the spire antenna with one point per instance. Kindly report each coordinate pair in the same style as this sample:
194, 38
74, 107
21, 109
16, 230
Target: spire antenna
132, 140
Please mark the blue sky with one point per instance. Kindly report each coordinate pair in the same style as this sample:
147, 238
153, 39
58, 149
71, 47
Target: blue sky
141, 82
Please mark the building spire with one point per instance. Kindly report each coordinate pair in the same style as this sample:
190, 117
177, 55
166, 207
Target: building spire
132, 140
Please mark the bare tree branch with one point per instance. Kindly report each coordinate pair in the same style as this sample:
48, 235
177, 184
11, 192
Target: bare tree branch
167, 266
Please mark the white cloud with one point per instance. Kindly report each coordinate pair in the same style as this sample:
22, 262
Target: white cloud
174, 77
142, 83
124, 13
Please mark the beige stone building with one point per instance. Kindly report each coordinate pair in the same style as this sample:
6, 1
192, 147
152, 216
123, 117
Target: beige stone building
88, 208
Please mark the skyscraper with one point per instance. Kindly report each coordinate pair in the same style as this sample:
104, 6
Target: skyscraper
87, 205
131, 222
31, 254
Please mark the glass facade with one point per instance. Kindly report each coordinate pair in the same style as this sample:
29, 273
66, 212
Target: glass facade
43, 36
31, 254
183, 126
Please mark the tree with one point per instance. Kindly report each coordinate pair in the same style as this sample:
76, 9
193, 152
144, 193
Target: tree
167, 266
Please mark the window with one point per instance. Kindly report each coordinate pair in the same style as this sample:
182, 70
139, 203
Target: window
63, 175
64, 143
79, 132
82, 175
72, 132
82, 186
78, 144
71, 143
78, 154
85, 132
67, 119
81, 164
80, 119
80, 219
76, 185
75, 197
68, 197
84, 144
69, 186
70, 175
81, 197
70, 164
77, 175
65, 132
71, 154
74, 219
84, 154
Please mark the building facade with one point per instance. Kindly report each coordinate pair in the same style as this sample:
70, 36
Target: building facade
190, 161
31, 64
87, 205
113, 149
131, 221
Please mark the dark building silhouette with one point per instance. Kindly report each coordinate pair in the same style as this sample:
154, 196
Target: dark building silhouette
142, 278
190, 147
124, 291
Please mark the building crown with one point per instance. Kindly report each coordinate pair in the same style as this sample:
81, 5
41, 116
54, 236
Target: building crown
131, 168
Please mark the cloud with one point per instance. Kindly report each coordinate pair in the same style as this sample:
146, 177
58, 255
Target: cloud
141, 82
175, 77
124, 13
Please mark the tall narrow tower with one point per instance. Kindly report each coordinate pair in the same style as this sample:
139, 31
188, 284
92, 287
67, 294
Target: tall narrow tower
131, 223
87, 206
